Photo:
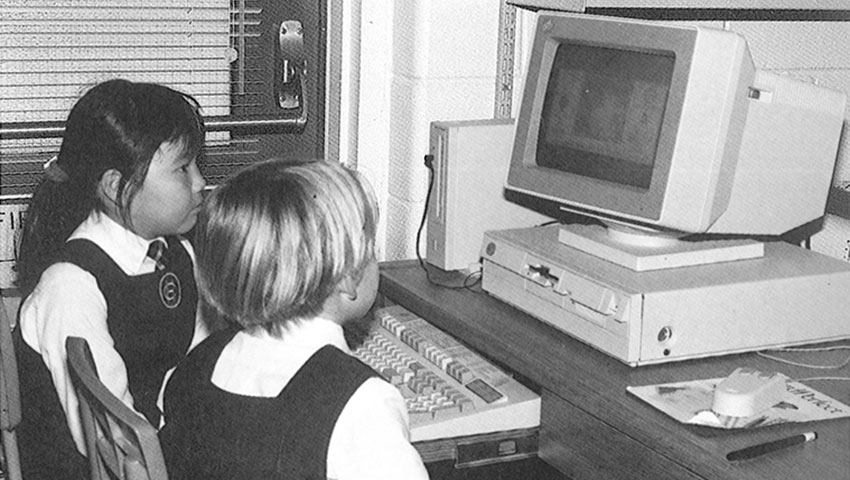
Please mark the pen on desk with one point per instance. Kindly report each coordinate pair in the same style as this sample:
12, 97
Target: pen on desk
761, 449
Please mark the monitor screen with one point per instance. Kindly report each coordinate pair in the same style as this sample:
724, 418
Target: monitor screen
602, 113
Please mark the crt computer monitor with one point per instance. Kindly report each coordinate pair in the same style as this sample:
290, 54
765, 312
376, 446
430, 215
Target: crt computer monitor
670, 130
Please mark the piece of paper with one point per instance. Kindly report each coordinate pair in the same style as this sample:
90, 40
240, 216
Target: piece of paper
690, 402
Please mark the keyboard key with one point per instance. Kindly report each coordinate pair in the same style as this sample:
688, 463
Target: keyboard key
483, 390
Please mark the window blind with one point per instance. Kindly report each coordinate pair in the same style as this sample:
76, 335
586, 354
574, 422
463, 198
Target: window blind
52, 51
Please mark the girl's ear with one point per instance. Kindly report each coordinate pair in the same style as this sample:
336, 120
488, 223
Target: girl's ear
108, 186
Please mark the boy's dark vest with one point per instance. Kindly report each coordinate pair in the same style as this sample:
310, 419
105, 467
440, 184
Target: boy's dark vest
213, 434
151, 319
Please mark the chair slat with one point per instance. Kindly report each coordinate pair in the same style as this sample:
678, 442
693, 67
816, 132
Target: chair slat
135, 455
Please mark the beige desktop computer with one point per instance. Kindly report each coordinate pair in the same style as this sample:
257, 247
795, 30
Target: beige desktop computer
788, 296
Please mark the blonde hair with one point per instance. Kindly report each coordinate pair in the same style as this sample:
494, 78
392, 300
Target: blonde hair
276, 239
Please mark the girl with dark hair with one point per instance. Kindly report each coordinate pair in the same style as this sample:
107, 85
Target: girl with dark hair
102, 257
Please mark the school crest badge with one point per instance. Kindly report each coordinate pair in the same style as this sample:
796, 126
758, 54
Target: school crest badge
169, 290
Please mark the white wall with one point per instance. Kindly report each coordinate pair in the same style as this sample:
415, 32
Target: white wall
421, 60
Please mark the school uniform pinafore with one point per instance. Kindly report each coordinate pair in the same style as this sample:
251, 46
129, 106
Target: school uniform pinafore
151, 318
214, 434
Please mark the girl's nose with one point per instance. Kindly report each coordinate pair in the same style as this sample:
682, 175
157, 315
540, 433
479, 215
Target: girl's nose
198, 181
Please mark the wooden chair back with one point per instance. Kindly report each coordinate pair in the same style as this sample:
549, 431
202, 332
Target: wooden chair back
120, 443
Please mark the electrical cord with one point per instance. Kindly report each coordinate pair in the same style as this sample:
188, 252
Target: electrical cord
470, 280
836, 366
808, 350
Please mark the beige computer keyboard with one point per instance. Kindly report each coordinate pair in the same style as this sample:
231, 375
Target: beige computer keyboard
449, 390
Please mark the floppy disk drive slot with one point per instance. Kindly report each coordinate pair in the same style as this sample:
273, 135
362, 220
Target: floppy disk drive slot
575, 288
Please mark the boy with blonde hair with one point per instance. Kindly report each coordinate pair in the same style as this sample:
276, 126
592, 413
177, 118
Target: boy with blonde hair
286, 255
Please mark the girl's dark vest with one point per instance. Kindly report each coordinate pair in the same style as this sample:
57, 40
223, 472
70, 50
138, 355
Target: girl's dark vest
151, 319
213, 434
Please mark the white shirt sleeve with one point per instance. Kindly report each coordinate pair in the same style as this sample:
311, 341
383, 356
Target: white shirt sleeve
371, 439
67, 302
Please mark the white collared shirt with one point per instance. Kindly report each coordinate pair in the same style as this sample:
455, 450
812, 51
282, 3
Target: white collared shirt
370, 439
67, 302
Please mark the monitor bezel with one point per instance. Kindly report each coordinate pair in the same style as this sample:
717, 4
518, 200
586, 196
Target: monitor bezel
580, 192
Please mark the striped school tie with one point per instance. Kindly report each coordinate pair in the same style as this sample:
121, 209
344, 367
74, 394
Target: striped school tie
156, 252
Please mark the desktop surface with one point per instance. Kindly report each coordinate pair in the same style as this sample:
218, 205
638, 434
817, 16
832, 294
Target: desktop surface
590, 426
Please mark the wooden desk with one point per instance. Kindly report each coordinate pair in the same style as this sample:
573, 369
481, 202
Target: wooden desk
590, 426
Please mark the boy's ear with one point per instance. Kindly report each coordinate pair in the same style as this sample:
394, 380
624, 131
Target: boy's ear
108, 185
348, 287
